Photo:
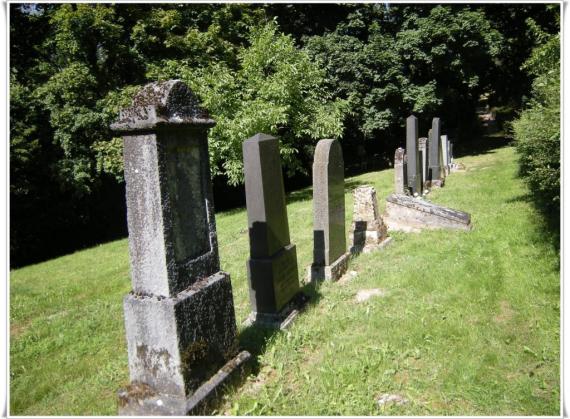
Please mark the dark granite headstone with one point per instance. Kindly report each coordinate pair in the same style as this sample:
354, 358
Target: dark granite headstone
434, 158
179, 317
272, 268
399, 170
414, 164
330, 258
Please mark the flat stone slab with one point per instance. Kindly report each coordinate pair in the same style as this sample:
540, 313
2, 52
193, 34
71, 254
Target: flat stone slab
141, 400
405, 213
363, 295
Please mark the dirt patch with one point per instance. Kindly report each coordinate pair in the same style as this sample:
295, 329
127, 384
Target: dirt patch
505, 314
17, 330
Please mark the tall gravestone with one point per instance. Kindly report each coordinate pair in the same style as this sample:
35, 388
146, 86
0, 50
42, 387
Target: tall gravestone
434, 158
414, 181
272, 268
423, 157
330, 258
444, 153
368, 230
179, 317
399, 170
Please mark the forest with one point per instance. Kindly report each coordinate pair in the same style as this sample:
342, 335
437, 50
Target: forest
301, 72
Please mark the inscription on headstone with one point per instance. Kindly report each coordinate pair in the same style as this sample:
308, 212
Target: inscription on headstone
179, 318
330, 258
272, 268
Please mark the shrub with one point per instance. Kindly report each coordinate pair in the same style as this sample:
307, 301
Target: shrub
537, 130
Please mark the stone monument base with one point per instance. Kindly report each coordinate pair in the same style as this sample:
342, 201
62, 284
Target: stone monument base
404, 213
141, 400
371, 247
438, 183
279, 320
368, 236
331, 272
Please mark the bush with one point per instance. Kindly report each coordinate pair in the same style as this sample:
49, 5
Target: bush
537, 130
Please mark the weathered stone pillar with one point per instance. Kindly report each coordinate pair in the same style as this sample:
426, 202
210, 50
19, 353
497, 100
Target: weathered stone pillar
423, 157
399, 170
368, 231
330, 258
179, 317
272, 268
434, 170
414, 164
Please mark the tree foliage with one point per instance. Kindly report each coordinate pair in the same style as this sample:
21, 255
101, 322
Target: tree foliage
298, 71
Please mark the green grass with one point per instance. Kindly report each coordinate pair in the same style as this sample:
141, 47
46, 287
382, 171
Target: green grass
469, 325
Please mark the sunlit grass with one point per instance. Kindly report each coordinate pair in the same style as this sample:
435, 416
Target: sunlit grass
469, 324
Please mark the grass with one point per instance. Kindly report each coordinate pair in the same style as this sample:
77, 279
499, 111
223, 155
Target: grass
469, 324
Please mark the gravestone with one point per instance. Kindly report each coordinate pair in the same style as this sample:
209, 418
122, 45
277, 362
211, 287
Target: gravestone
434, 155
444, 153
399, 170
179, 317
368, 230
449, 153
404, 213
272, 268
414, 178
423, 157
330, 258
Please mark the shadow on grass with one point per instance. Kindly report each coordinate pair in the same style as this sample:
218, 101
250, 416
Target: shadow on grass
481, 145
255, 339
548, 229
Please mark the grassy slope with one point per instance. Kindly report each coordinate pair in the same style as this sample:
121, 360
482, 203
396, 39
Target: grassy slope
469, 324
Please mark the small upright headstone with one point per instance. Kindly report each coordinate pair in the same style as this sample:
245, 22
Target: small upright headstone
179, 317
272, 268
330, 258
423, 157
413, 164
434, 158
399, 170
449, 153
368, 231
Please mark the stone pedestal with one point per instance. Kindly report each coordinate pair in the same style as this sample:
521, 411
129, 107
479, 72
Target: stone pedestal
179, 317
368, 232
272, 268
330, 258
404, 213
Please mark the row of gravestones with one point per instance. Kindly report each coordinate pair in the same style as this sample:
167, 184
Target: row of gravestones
427, 162
179, 317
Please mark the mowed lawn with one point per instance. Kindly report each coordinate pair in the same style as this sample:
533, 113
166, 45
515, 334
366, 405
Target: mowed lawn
468, 323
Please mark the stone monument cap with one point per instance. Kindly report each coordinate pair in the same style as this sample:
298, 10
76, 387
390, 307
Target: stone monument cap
260, 137
162, 103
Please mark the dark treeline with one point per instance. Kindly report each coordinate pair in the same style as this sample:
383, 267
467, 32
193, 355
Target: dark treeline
301, 72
